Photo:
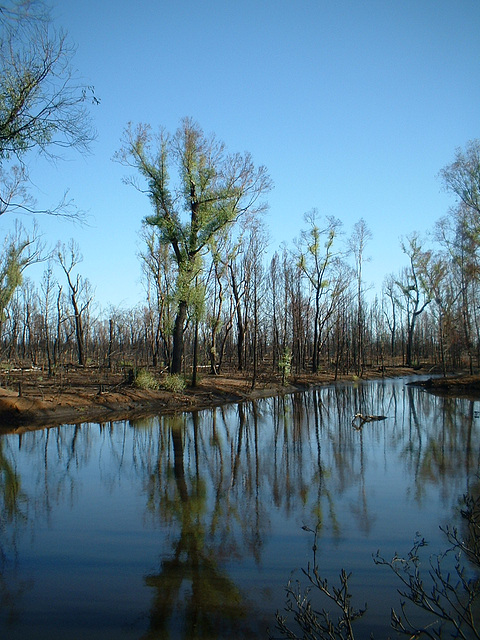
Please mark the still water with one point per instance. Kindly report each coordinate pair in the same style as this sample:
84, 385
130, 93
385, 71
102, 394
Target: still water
190, 526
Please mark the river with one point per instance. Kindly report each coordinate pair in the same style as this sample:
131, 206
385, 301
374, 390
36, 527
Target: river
190, 526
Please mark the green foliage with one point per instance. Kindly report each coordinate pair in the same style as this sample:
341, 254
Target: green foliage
10, 278
174, 382
285, 364
42, 105
19, 250
214, 189
144, 379
189, 287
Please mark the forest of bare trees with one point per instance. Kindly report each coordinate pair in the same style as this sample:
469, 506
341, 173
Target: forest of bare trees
303, 309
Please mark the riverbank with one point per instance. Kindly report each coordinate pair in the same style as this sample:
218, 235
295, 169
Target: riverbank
459, 386
31, 400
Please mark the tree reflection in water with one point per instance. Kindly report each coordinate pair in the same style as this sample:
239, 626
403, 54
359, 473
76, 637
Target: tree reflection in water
210, 601
224, 494
13, 514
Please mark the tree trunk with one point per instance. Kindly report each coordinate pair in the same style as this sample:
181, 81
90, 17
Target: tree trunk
110, 344
240, 323
195, 355
255, 333
315, 353
47, 346
78, 332
213, 355
177, 352
410, 330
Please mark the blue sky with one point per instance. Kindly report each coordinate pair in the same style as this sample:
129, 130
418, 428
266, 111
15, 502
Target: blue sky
353, 106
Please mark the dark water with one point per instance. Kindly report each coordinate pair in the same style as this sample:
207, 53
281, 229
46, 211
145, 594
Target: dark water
190, 526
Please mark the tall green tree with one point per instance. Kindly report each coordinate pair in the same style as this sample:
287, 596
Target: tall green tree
319, 261
209, 192
20, 249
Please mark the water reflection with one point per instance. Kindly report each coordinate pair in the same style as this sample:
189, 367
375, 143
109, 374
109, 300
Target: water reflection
191, 579
193, 522
13, 515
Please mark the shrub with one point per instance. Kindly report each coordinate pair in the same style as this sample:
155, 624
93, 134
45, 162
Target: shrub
174, 382
143, 379
451, 601
285, 365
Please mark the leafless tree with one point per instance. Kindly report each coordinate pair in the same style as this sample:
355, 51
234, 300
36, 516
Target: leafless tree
357, 244
80, 293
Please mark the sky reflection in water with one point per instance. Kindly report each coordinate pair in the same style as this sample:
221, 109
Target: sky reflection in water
190, 526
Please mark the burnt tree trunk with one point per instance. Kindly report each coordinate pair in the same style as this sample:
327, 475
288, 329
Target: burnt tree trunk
177, 351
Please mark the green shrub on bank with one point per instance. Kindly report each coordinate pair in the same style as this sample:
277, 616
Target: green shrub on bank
145, 380
174, 382
285, 365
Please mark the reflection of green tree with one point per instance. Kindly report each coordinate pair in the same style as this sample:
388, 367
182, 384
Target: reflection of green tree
12, 501
11, 494
211, 599
322, 477
341, 458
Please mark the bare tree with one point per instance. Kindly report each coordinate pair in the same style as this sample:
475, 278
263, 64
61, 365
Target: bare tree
390, 292
357, 244
460, 241
159, 269
414, 286
219, 318
439, 588
80, 293
47, 287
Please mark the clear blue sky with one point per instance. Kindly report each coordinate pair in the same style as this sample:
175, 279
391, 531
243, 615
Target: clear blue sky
354, 106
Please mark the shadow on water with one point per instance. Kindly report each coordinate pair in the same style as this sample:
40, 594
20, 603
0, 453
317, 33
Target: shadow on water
189, 526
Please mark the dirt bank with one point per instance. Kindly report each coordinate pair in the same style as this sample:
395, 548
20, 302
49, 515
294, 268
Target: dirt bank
29, 399
458, 386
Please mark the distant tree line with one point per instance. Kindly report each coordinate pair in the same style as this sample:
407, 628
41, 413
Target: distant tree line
306, 308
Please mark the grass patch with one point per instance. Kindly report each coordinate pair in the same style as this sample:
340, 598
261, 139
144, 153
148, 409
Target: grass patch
174, 382
145, 380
